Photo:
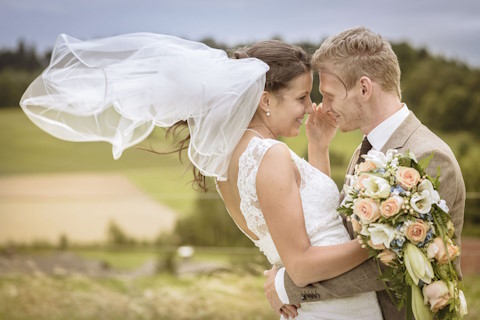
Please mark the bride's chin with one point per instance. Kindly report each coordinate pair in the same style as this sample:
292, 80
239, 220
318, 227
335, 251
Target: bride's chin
295, 132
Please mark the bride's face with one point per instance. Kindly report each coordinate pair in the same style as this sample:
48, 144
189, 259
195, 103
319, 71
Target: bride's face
289, 106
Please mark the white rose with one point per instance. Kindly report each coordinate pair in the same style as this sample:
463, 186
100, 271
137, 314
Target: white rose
381, 234
376, 187
378, 158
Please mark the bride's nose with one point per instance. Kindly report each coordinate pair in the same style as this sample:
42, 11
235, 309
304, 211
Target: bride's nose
309, 108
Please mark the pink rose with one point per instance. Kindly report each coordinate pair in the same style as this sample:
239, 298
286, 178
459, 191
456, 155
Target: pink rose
436, 294
407, 177
380, 246
357, 227
387, 256
359, 183
366, 209
366, 166
437, 250
391, 206
417, 231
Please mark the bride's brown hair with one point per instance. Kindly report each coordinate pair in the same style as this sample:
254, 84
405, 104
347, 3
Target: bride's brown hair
286, 62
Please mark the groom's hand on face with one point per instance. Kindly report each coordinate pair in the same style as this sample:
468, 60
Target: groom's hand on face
272, 296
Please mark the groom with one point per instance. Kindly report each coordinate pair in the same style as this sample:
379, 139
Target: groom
360, 82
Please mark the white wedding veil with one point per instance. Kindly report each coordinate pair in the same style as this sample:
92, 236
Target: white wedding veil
118, 89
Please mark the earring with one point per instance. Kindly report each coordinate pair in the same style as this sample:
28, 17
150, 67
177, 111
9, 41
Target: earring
268, 112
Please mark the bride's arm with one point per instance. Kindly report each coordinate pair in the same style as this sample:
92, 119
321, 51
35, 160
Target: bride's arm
280, 202
319, 157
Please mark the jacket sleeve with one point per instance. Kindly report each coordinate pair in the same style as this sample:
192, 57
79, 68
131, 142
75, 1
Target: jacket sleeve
363, 278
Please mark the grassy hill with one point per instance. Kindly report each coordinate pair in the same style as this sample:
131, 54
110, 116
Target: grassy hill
28, 150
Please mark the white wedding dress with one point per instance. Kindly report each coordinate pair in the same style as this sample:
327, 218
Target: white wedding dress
323, 224
118, 89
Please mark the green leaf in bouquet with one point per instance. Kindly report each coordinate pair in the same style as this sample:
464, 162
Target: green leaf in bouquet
424, 162
405, 162
441, 219
441, 270
436, 182
345, 210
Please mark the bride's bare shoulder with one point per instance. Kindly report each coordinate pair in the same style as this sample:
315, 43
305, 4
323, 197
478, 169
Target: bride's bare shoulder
276, 159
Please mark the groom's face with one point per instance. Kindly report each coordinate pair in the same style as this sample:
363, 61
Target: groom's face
344, 103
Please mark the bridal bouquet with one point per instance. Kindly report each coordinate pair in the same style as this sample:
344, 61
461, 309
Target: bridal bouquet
399, 217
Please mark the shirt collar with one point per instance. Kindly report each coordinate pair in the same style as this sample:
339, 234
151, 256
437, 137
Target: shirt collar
381, 133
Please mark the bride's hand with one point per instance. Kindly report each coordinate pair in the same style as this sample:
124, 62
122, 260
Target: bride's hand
321, 125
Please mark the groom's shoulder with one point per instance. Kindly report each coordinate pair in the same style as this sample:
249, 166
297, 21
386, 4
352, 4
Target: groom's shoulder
424, 141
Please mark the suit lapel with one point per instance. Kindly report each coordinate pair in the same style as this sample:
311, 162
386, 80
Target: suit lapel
403, 132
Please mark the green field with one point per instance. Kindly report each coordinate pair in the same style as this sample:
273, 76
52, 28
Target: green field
28, 150
163, 296
232, 295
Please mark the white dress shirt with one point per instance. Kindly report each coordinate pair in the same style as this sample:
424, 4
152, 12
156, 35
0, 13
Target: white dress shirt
377, 138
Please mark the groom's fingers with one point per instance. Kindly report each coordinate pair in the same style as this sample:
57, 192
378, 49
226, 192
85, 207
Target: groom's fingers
291, 310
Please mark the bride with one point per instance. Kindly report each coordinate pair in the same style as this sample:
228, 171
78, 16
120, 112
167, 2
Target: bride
118, 89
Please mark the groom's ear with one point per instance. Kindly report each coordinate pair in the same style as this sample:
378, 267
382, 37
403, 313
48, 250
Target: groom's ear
366, 87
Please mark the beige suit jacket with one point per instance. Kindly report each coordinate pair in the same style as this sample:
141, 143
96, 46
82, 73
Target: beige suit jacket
410, 135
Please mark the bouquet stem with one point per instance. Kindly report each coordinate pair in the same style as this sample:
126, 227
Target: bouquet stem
408, 306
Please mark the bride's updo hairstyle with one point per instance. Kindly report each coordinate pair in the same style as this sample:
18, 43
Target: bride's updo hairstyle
286, 62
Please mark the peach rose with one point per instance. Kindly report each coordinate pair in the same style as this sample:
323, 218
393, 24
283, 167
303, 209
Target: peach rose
366, 209
380, 246
437, 250
366, 166
357, 227
359, 183
407, 177
387, 256
417, 231
391, 206
436, 294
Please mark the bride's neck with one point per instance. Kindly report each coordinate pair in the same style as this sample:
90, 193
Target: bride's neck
261, 129
258, 124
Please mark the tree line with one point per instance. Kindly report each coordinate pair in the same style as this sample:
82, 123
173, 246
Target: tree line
443, 93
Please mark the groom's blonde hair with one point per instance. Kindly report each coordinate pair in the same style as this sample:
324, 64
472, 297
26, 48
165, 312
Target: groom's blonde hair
359, 52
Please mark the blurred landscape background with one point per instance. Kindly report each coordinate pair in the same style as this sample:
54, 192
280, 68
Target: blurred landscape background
81, 233
83, 236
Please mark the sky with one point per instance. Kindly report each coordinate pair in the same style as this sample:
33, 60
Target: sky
444, 27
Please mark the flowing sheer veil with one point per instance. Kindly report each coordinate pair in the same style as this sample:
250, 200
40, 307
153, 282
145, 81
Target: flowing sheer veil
118, 89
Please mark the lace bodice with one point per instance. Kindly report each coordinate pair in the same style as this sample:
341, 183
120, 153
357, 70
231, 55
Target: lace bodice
324, 226
319, 201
